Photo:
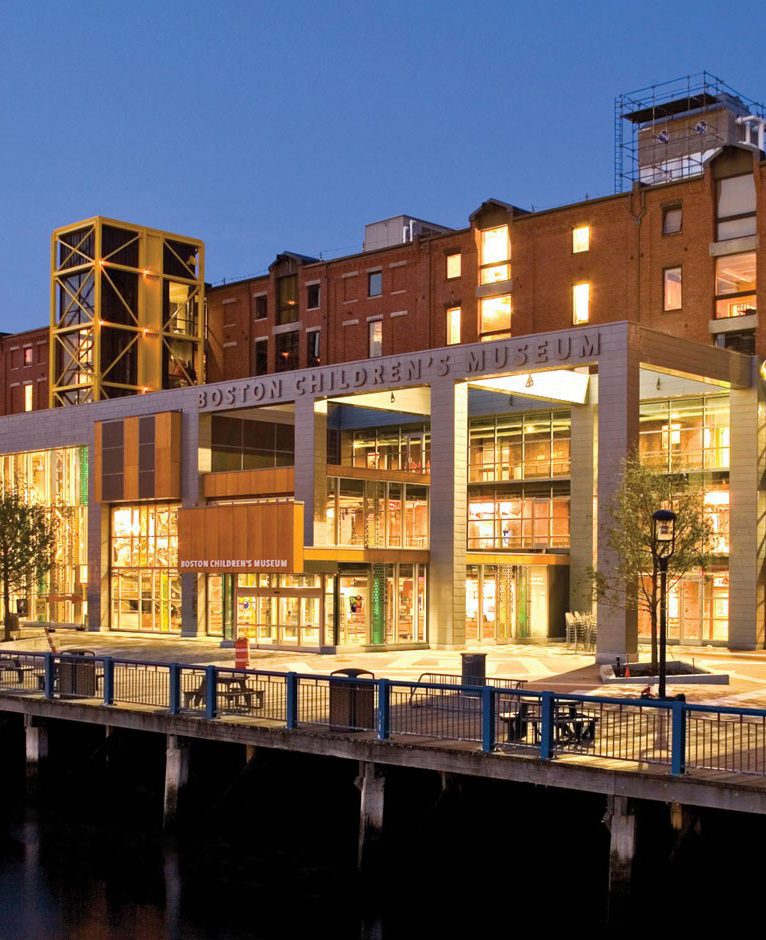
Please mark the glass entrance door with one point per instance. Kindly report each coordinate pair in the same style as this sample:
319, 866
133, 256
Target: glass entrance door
271, 617
353, 615
289, 620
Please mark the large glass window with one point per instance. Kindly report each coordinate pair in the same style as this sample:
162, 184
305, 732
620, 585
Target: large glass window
518, 518
145, 581
736, 207
58, 480
735, 281
681, 435
376, 514
533, 445
286, 351
392, 448
287, 299
495, 255
239, 444
495, 317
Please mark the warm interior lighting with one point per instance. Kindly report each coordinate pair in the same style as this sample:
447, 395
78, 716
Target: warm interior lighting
495, 245
580, 239
581, 303
495, 317
453, 325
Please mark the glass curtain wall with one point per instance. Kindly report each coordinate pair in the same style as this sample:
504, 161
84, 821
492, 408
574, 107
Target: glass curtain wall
527, 446
376, 514
58, 480
505, 603
145, 580
533, 516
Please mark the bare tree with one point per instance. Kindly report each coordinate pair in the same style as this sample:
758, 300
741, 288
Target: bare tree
627, 529
27, 536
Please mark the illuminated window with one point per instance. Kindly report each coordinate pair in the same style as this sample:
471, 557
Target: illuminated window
27, 355
580, 303
454, 265
671, 289
28, 397
453, 325
287, 299
495, 255
286, 351
495, 317
735, 284
375, 328
580, 239
672, 217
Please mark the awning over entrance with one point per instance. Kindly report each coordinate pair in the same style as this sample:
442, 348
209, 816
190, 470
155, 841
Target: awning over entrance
246, 537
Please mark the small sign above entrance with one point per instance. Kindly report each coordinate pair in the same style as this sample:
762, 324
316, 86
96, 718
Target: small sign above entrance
244, 537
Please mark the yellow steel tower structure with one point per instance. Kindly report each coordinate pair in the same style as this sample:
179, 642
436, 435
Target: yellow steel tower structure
127, 311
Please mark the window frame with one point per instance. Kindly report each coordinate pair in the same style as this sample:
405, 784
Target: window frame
577, 299
379, 276
665, 292
666, 213
575, 230
313, 287
451, 256
454, 313
263, 342
260, 301
374, 326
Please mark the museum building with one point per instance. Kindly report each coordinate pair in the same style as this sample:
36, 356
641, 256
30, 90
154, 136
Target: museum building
406, 447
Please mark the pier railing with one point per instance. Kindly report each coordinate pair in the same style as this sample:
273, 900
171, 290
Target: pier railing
494, 717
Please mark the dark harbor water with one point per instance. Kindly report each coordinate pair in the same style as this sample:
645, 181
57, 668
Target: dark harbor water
268, 850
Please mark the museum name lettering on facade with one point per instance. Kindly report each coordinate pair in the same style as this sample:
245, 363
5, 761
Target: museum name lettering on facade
462, 362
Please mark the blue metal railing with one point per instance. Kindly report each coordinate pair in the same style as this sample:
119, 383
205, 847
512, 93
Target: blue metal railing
678, 735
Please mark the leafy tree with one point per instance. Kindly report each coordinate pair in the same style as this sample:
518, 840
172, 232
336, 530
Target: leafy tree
27, 535
627, 528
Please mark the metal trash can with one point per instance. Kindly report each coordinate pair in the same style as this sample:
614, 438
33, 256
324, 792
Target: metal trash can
352, 704
474, 668
78, 678
13, 625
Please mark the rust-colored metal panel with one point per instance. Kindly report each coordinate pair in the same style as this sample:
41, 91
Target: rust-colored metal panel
167, 455
230, 483
130, 492
255, 537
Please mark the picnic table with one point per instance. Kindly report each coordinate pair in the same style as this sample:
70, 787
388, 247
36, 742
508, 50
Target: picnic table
570, 724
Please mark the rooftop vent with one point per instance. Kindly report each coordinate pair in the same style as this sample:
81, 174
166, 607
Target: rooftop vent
398, 231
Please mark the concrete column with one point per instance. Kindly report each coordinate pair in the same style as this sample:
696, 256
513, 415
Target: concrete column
98, 556
582, 494
36, 740
372, 785
622, 849
747, 526
176, 777
192, 613
311, 467
448, 509
618, 399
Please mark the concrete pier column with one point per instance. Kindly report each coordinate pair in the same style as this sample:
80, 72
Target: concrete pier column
621, 822
176, 777
311, 467
618, 399
448, 509
36, 740
582, 494
747, 526
372, 784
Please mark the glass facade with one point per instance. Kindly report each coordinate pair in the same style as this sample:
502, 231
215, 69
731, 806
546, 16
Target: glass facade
390, 448
57, 479
376, 514
145, 581
504, 603
519, 447
685, 434
534, 516
698, 609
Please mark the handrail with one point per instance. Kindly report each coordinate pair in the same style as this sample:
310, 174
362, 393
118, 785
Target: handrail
670, 732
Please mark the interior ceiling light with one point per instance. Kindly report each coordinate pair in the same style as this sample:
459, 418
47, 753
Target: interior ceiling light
393, 398
530, 381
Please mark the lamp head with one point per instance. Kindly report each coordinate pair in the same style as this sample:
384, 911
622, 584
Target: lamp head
663, 533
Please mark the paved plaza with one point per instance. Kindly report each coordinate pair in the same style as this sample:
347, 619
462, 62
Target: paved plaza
552, 667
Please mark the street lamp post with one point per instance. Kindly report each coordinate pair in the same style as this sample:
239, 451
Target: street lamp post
663, 546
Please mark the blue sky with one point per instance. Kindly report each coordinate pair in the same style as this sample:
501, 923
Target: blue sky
263, 126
